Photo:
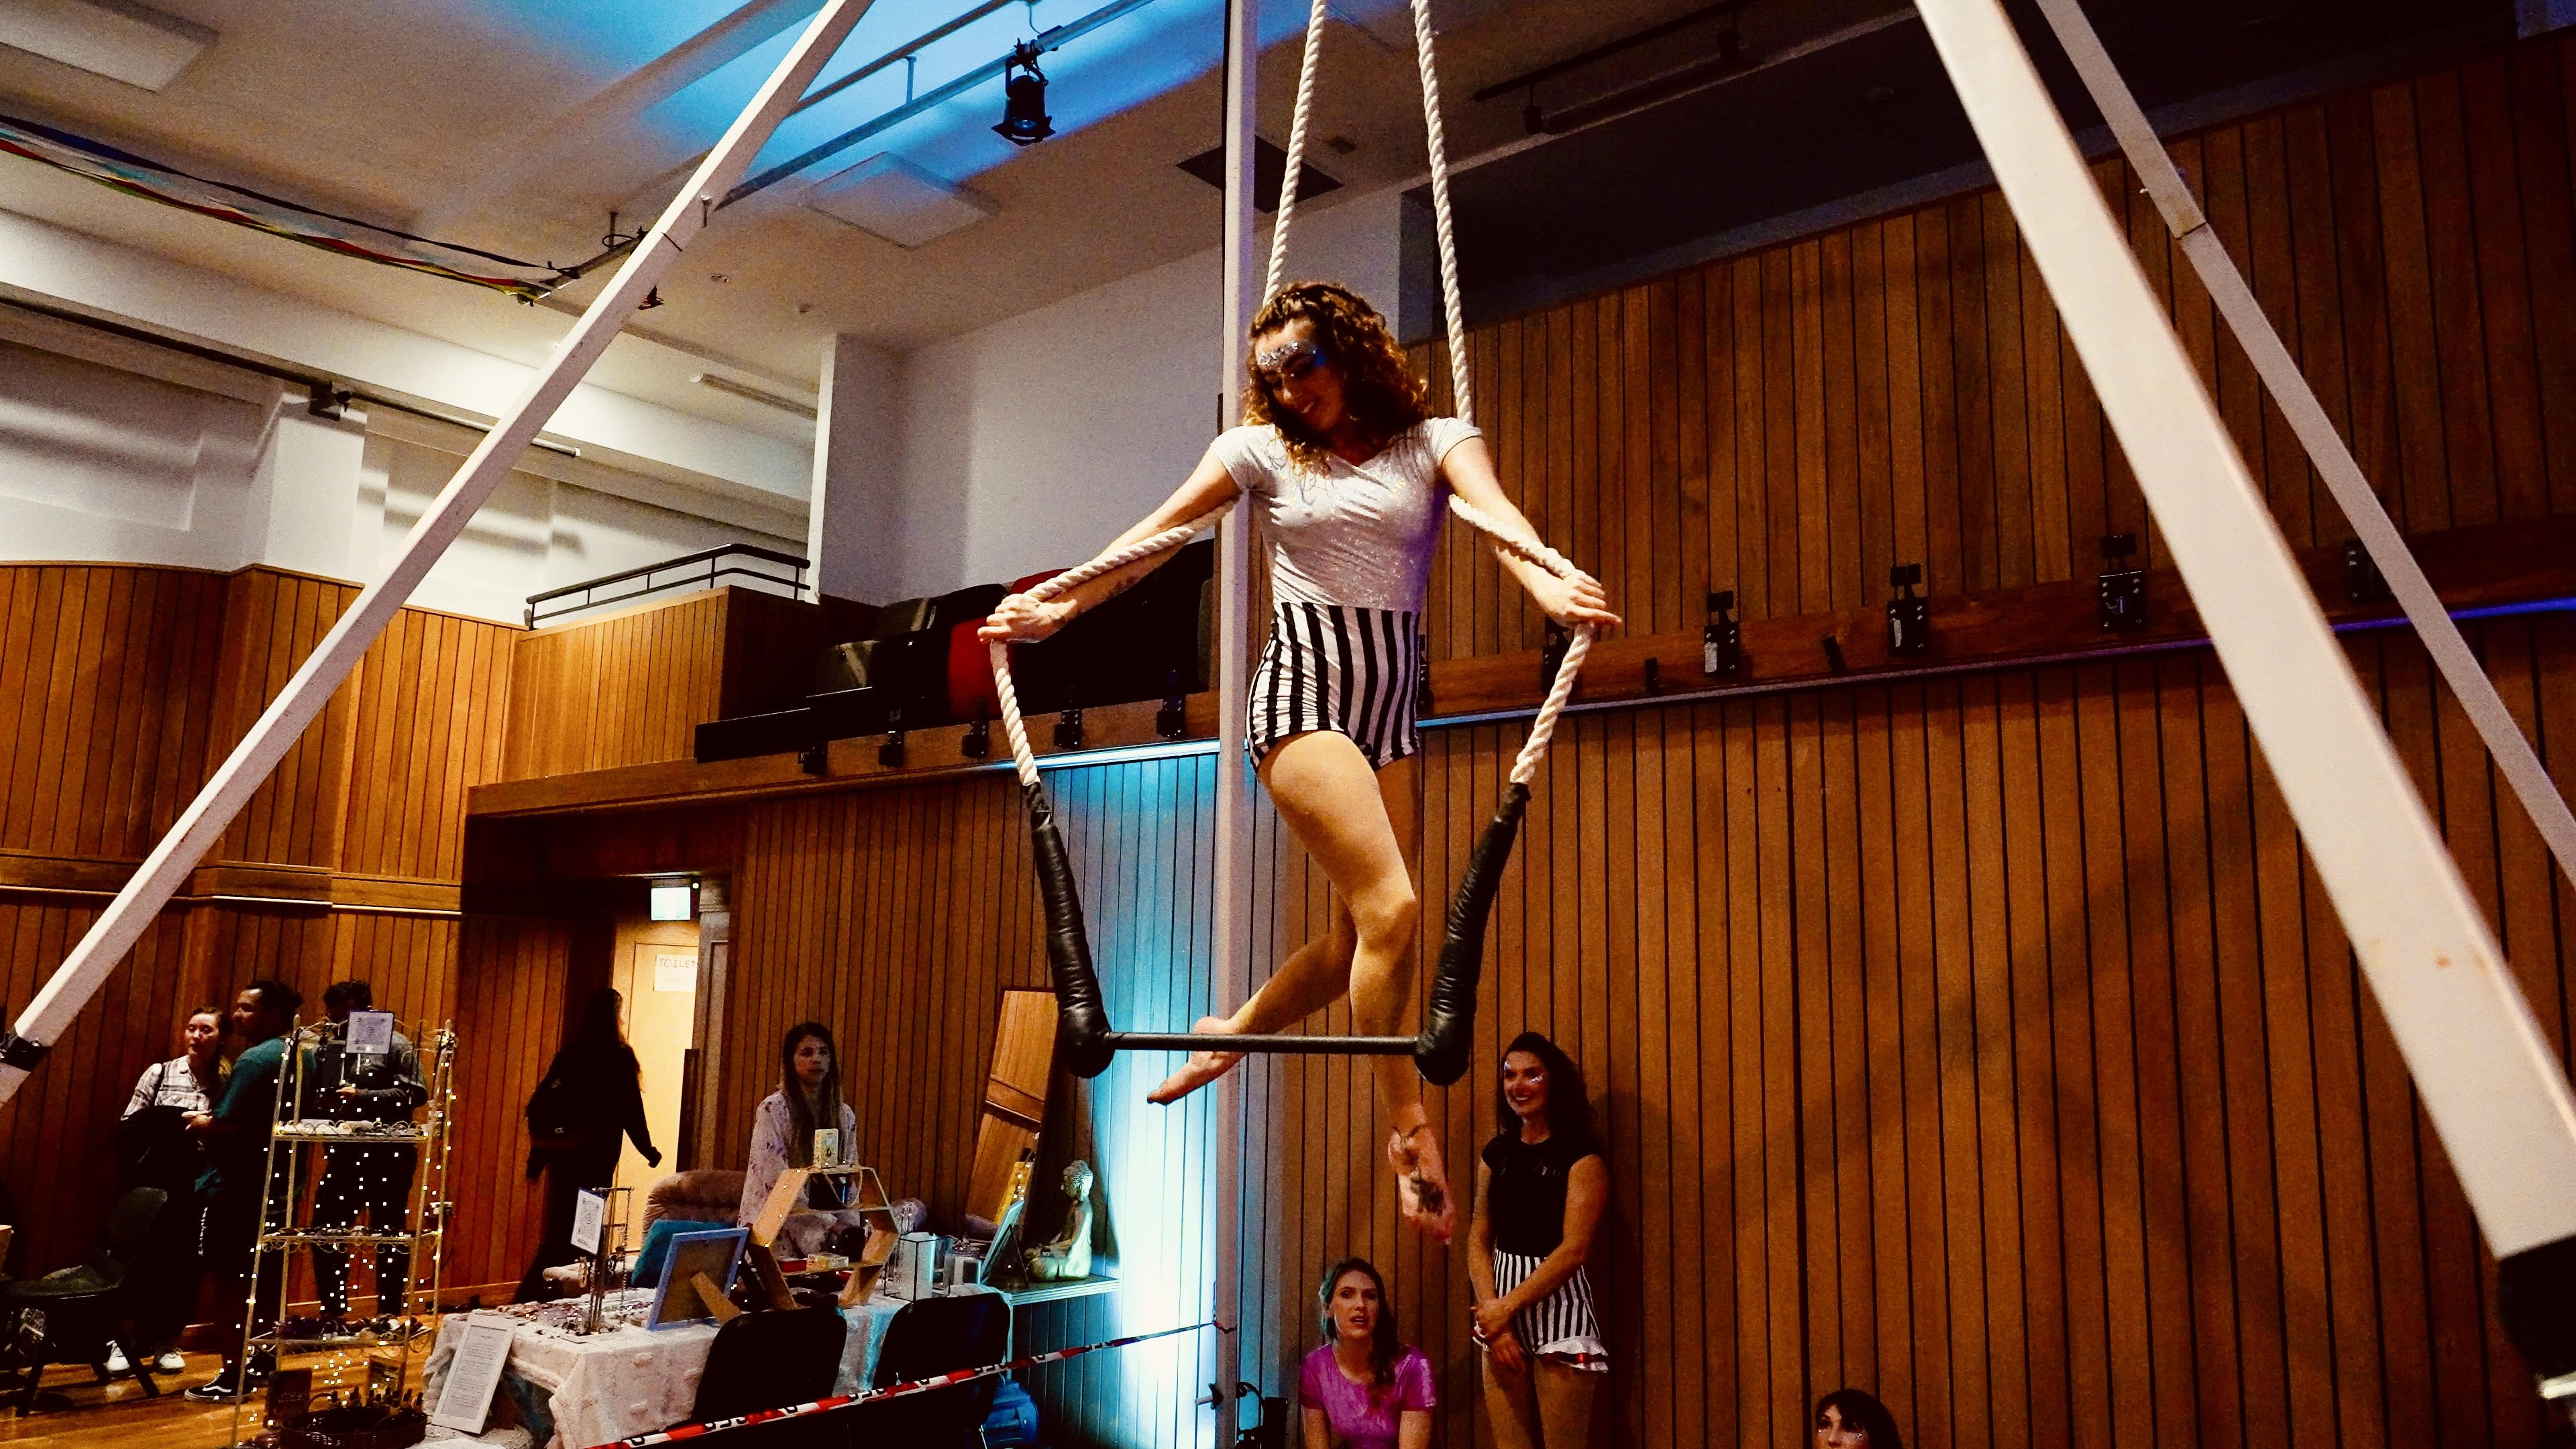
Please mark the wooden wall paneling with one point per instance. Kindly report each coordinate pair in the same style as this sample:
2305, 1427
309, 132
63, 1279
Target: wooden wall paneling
2506, 302
2008, 395
1988, 1009
1687, 434
1717, 405
2037, 1093
2060, 944
1872, 449
2412, 330
2460, 331
2549, 229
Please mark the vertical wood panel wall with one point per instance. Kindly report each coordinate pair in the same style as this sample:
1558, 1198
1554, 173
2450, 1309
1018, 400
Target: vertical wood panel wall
631, 688
1789, 423
1985, 1042
120, 689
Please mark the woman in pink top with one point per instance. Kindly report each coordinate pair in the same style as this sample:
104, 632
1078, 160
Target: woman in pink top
1363, 1388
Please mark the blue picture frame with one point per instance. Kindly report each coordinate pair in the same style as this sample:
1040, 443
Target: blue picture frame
692, 1254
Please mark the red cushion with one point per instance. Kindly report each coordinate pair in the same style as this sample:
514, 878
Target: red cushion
970, 673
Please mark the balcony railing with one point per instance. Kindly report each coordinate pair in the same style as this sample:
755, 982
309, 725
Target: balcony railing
701, 570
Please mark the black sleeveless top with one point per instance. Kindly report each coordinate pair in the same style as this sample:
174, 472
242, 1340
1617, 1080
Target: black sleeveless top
1526, 1196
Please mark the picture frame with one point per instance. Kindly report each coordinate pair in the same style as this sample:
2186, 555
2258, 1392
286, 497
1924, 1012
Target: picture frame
715, 1255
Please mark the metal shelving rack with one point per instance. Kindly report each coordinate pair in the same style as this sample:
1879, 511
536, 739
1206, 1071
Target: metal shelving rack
284, 1189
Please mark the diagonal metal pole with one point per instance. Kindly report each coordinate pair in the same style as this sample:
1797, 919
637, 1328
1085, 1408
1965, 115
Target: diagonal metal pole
2514, 757
2485, 1074
202, 823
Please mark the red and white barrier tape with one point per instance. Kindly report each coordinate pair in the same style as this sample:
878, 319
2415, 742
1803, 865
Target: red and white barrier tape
891, 1391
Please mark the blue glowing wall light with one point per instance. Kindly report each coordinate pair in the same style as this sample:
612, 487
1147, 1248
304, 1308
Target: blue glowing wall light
1142, 837
1164, 45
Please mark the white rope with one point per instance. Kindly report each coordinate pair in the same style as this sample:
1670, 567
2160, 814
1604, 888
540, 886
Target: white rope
1463, 405
1543, 728
1296, 150
1531, 550
1008, 696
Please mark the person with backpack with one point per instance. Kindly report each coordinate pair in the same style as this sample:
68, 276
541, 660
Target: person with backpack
155, 1149
589, 1102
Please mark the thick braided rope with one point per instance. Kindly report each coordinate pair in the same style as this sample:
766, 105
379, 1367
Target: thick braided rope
1530, 550
1009, 696
1463, 406
1296, 150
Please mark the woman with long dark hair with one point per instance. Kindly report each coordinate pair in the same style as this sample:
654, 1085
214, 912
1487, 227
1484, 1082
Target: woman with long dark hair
589, 1103
1364, 1388
782, 1136
1540, 1190
1347, 465
1855, 1419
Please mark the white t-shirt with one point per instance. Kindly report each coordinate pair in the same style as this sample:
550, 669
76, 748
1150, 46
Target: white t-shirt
1354, 533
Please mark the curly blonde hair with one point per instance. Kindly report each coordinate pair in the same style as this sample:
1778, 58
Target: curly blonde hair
1382, 393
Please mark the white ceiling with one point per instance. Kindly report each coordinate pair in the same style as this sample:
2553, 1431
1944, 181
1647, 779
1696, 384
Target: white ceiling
493, 129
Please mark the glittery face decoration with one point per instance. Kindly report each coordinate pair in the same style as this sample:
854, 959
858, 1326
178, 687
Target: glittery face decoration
1288, 362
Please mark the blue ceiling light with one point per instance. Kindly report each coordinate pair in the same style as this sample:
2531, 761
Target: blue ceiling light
1024, 118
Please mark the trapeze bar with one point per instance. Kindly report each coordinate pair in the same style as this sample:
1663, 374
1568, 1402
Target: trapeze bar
1293, 1044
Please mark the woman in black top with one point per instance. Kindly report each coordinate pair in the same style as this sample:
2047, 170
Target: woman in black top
591, 1099
1539, 1194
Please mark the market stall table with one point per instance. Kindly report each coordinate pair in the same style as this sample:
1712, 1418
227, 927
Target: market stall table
574, 1391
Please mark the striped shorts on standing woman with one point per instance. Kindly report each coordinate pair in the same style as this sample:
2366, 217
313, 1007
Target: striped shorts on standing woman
1337, 667
1561, 1328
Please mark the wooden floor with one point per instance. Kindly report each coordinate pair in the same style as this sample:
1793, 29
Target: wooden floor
117, 1414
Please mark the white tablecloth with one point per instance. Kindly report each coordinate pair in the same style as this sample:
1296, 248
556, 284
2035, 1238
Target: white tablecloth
632, 1380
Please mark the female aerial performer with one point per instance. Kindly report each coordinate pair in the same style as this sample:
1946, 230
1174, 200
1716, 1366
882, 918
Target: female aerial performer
1340, 449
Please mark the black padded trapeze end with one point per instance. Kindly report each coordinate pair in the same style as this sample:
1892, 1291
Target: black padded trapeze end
1449, 1022
2536, 1300
1081, 1020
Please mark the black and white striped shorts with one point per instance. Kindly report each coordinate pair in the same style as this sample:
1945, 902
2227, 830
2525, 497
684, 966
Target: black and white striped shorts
1337, 667
1562, 1327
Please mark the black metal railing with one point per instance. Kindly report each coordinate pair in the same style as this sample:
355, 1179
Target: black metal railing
690, 570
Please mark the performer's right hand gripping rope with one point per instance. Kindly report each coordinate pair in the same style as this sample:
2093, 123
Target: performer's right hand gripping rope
1082, 1018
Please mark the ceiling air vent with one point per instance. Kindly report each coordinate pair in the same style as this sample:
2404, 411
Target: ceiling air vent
1269, 170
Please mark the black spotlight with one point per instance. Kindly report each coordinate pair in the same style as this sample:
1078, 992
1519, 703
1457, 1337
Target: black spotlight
1024, 118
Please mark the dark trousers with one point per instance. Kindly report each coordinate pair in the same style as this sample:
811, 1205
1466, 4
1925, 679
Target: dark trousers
229, 1244
568, 1171
373, 1185
169, 1271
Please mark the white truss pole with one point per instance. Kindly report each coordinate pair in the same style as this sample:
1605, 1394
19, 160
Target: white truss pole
202, 823
2486, 1075
2515, 759
1230, 968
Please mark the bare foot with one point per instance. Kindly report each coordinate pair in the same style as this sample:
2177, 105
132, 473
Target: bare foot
1422, 1183
1201, 1069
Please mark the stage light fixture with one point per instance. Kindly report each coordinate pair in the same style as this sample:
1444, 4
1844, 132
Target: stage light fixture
1024, 118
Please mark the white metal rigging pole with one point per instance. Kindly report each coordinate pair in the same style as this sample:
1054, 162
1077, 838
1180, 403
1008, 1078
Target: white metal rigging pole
2486, 1075
1230, 968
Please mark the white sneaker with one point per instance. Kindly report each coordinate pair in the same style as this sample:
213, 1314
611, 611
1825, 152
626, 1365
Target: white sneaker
116, 1363
171, 1361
